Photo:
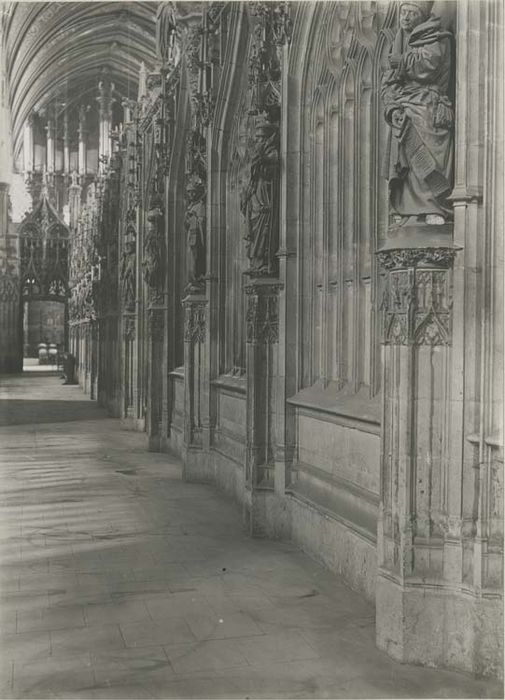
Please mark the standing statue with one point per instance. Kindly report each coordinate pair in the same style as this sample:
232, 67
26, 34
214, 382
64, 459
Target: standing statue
418, 109
127, 274
153, 263
165, 33
260, 200
195, 221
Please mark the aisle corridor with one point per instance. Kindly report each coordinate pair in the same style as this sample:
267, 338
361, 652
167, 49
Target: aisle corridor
118, 580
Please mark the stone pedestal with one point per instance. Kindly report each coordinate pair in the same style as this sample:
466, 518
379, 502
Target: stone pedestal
156, 329
426, 612
128, 365
195, 387
263, 512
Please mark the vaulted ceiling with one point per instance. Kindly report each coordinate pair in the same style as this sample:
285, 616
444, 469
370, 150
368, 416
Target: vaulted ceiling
56, 52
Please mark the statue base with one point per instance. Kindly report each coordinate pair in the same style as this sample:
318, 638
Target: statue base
418, 235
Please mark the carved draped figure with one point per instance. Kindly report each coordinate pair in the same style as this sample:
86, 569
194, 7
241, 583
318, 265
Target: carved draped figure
419, 157
195, 227
259, 205
154, 251
165, 31
128, 263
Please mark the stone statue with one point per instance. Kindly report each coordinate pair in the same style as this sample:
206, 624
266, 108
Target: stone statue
153, 263
128, 261
260, 200
84, 305
195, 222
165, 33
418, 109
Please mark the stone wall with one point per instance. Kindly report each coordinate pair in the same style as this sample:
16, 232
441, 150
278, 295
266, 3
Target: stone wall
330, 362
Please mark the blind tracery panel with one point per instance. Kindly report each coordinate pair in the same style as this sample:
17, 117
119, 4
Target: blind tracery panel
346, 204
236, 261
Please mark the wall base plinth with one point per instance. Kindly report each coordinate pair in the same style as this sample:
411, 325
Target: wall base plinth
196, 466
266, 514
438, 627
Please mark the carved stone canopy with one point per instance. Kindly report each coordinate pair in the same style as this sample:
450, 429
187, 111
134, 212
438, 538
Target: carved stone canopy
44, 248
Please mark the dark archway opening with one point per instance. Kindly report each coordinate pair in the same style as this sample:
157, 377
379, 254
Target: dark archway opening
44, 292
45, 332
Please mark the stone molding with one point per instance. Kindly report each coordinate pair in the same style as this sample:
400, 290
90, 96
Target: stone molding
417, 298
195, 321
262, 317
400, 258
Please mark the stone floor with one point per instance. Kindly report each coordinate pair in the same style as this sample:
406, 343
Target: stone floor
118, 580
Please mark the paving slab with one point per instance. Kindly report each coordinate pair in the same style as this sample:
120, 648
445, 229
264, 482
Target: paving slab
119, 580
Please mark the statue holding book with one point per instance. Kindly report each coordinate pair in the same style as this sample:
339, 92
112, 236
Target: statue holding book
418, 108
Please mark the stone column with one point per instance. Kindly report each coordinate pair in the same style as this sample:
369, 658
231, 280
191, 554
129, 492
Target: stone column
426, 611
74, 201
28, 147
263, 513
66, 146
11, 338
50, 146
128, 354
417, 335
199, 348
156, 330
195, 364
105, 100
49, 178
154, 269
83, 132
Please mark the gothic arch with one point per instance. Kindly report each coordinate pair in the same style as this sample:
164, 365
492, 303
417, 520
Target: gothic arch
230, 129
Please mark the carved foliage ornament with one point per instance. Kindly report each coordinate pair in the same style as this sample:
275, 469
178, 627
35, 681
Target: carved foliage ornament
195, 322
411, 257
262, 318
417, 301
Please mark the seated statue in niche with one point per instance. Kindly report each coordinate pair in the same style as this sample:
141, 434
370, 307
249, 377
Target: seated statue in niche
419, 111
128, 275
195, 222
260, 200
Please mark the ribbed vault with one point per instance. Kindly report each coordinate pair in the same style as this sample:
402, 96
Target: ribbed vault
56, 52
